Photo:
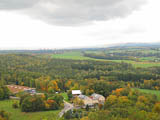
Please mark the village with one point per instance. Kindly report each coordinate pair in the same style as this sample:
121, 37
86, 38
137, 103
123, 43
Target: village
77, 101
90, 101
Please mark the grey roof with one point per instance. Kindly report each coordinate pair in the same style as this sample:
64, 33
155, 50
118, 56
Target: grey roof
84, 97
96, 96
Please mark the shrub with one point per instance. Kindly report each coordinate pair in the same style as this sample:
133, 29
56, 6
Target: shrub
22, 97
4, 115
4, 93
15, 104
51, 105
157, 108
32, 104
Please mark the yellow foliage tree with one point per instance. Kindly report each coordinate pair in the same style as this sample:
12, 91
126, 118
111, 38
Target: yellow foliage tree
53, 86
156, 108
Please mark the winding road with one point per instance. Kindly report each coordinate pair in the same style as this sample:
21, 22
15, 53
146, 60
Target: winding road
67, 107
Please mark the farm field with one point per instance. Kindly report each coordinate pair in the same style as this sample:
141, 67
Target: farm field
147, 58
71, 55
74, 56
79, 56
139, 64
155, 92
145, 64
16, 114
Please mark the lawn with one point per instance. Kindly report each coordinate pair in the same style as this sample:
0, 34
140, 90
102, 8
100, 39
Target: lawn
16, 114
65, 96
155, 92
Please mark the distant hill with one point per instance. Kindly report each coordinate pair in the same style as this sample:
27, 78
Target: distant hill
136, 45
46, 51
26, 51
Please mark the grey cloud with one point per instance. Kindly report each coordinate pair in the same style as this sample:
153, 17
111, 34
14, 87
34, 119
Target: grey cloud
73, 12
16, 4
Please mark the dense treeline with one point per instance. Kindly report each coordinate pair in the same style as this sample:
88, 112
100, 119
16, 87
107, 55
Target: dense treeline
126, 104
112, 56
29, 103
4, 92
54, 75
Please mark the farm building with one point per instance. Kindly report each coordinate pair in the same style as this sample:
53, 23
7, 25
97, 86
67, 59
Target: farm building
17, 88
75, 93
92, 100
87, 100
97, 98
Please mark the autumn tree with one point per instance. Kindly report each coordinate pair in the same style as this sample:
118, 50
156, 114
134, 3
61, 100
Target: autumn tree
157, 108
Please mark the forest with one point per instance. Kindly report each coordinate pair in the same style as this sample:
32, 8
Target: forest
118, 82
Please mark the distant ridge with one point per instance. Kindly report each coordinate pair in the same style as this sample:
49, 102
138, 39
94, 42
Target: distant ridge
136, 45
45, 51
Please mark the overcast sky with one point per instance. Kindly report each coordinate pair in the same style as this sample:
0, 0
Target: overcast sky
35, 24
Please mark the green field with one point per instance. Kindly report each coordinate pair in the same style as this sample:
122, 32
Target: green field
155, 92
79, 56
16, 114
139, 64
71, 55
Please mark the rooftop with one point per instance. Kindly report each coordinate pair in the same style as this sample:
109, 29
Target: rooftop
76, 92
96, 96
18, 88
84, 97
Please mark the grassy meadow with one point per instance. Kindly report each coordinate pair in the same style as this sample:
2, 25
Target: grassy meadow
77, 55
16, 114
142, 64
155, 92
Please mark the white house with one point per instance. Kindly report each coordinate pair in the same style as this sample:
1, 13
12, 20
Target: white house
76, 93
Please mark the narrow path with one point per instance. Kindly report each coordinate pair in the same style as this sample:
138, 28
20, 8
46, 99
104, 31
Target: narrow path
67, 107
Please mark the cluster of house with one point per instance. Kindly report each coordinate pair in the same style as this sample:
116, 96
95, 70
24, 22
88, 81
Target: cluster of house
90, 101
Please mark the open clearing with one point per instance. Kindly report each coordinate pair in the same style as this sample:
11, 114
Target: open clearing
16, 114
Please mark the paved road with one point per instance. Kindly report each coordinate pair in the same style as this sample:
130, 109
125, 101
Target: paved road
67, 107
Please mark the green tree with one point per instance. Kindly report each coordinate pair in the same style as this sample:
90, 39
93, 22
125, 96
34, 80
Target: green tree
4, 115
1, 94
32, 104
